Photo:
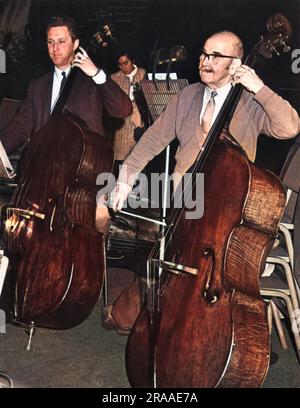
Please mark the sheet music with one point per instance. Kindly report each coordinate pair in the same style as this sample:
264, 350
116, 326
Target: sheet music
162, 75
6, 169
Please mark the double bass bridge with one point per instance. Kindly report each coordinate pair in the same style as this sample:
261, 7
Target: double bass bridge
16, 217
27, 213
174, 267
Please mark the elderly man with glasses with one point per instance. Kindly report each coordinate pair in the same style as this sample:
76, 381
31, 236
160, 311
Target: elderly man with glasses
191, 113
189, 116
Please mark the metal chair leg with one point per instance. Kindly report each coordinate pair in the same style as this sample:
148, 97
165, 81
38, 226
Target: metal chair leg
278, 325
30, 330
289, 277
291, 312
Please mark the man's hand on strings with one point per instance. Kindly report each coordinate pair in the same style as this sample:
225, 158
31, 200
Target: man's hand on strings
83, 61
248, 78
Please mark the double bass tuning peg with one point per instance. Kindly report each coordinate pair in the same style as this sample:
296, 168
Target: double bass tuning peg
286, 48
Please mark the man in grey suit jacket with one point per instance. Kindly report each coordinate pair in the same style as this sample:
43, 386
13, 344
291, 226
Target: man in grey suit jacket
91, 92
260, 110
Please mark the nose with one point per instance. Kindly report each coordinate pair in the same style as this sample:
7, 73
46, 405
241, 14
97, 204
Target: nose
54, 46
203, 61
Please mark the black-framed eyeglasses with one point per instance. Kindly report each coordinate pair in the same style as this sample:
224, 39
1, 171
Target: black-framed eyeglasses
214, 57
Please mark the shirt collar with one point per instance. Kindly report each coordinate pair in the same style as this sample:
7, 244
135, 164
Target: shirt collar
58, 71
223, 91
132, 73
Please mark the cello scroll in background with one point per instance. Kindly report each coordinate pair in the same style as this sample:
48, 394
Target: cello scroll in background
280, 31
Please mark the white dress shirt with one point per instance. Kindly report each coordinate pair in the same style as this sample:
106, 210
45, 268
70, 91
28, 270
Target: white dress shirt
100, 78
219, 99
130, 76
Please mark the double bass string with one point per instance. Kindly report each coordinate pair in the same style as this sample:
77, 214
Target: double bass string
154, 278
154, 296
175, 216
222, 122
38, 148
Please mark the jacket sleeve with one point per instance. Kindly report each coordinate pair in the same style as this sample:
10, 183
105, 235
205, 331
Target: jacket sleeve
20, 127
278, 118
116, 102
153, 141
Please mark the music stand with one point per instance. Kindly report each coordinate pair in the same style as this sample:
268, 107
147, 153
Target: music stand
157, 94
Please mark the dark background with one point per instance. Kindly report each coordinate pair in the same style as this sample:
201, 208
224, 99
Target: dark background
144, 24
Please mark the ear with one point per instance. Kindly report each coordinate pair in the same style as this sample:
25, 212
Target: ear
76, 44
236, 62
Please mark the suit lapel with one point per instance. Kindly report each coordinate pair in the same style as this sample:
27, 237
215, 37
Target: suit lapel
46, 95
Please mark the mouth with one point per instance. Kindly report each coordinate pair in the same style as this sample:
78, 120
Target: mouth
206, 70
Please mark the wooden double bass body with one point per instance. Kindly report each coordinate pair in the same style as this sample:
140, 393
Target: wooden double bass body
204, 323
211, 328
57, 257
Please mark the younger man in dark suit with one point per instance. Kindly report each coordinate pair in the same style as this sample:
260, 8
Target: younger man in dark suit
91, 92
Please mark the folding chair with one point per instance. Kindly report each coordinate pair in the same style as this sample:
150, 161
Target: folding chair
283, 283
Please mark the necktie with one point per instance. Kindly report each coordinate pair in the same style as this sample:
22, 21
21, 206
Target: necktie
63, 81
208, 114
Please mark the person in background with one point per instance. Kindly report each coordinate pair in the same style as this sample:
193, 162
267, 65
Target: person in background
132, 128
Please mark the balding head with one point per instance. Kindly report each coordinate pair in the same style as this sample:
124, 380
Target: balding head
220, 58
230, 42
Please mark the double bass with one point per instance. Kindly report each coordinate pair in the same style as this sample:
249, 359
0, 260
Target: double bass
204, 323
57, 258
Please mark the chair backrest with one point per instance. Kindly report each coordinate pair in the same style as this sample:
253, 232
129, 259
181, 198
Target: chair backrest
290, 177
8, 109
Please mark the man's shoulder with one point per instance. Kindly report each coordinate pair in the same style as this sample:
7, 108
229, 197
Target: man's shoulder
42, 79
191, 90
116, 75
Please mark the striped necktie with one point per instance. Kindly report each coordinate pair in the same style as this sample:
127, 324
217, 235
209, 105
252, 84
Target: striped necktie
208, 114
